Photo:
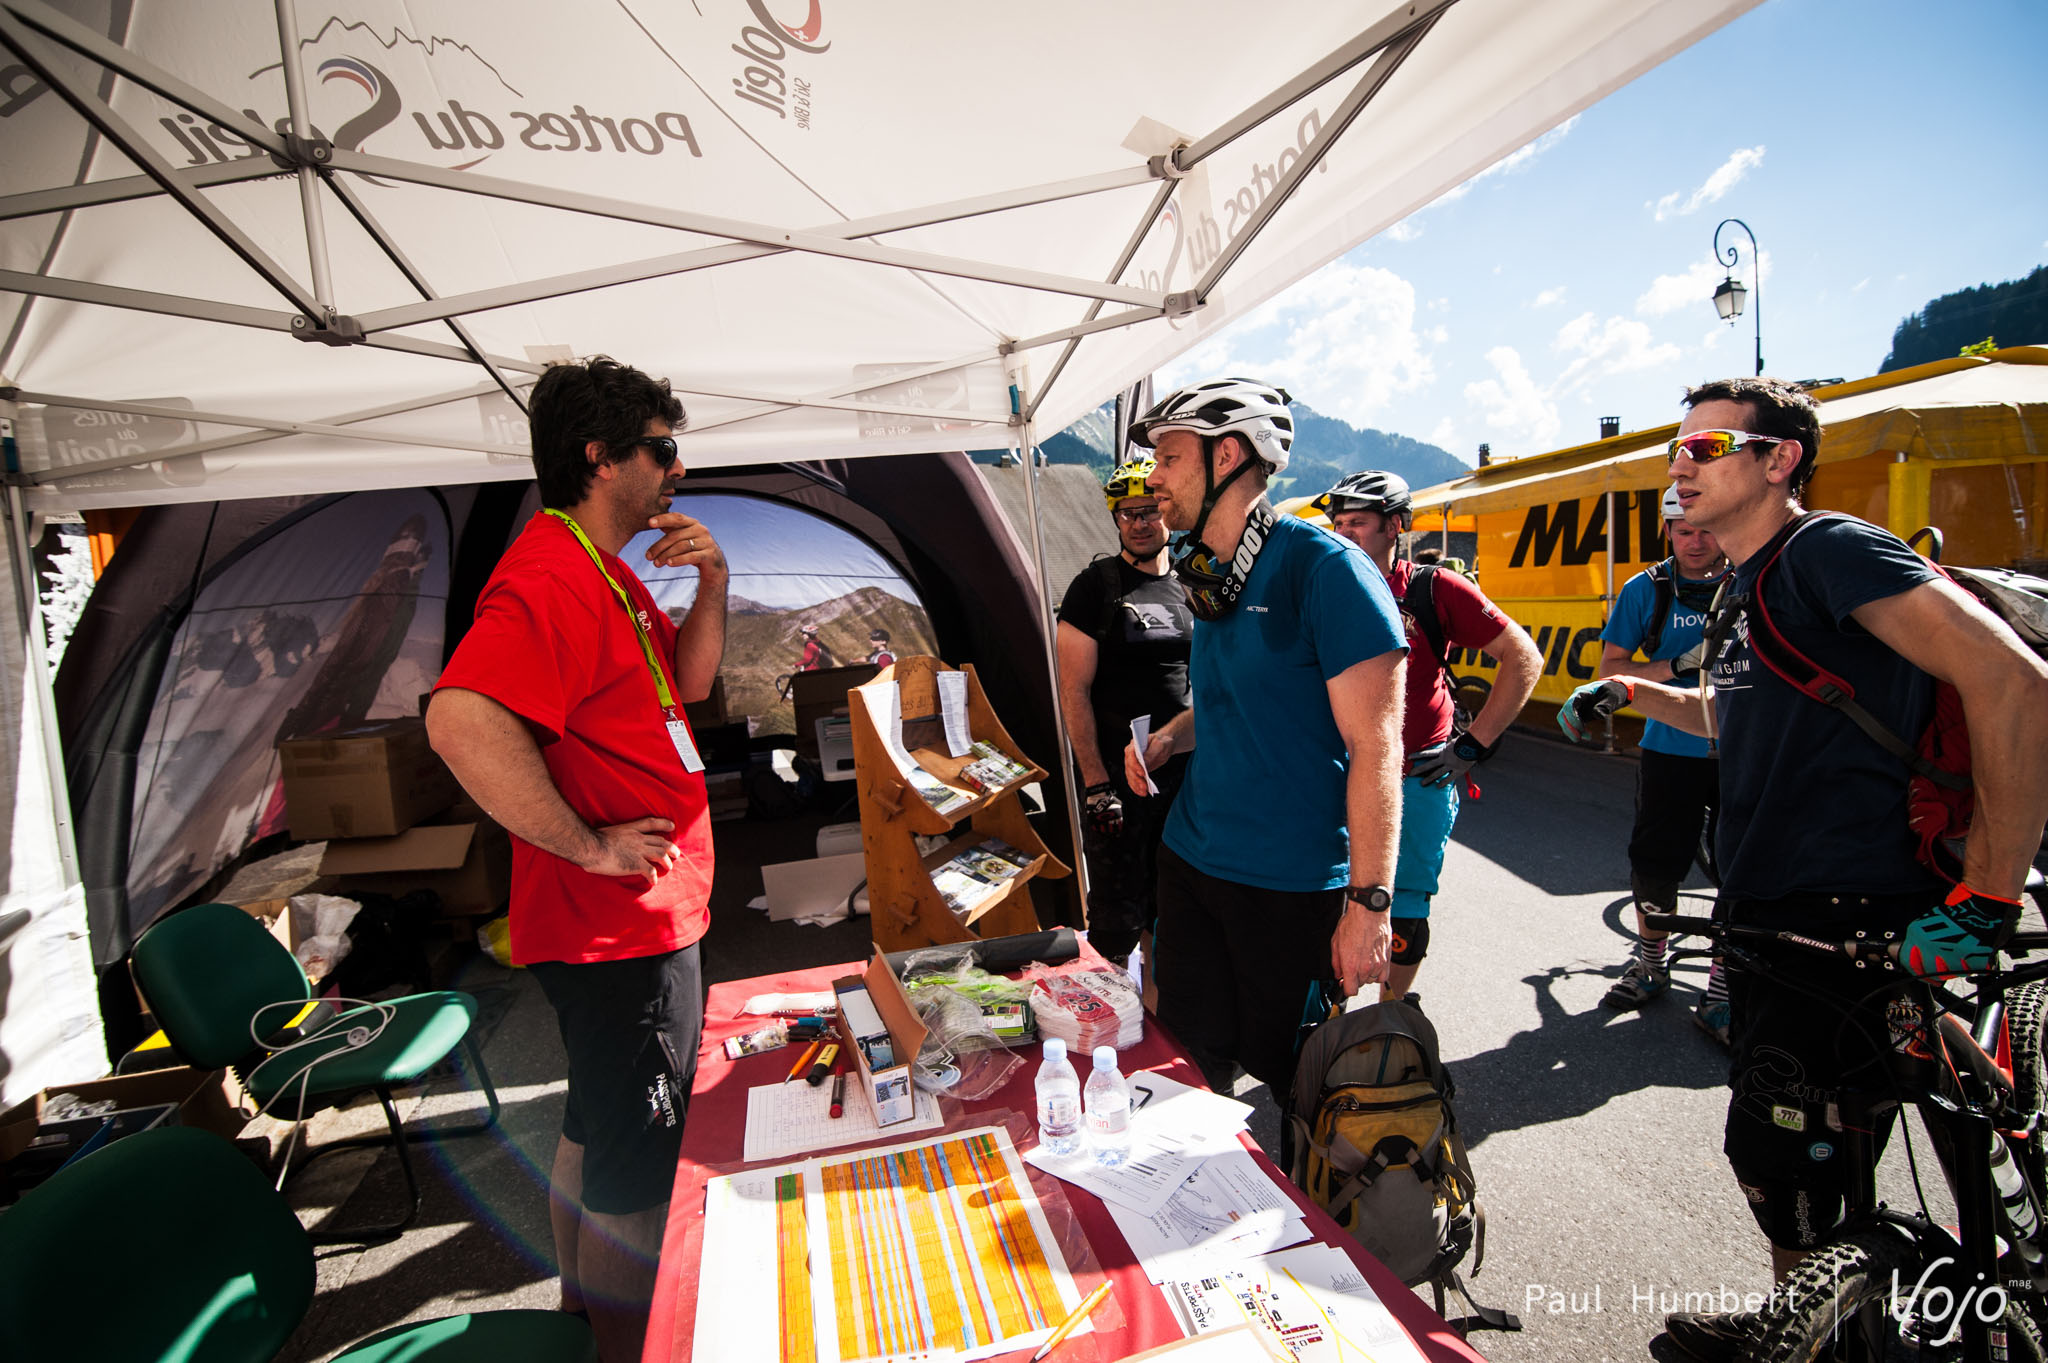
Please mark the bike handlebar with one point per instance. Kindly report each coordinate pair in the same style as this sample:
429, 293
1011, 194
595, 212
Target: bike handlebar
1876, 953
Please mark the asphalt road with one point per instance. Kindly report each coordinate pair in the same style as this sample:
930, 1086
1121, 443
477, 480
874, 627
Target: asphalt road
1595, 1136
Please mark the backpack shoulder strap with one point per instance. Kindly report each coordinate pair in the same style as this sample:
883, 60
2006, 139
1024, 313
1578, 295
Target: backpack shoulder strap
1421, 603
1663, 590
1112, 591
1775, 651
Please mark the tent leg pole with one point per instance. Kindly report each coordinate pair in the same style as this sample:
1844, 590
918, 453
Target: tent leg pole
39, 687
1052, 655
309, 181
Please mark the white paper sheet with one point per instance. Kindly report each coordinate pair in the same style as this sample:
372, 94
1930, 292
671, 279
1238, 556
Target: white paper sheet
1141, 733
1193, 1116
1143, 1182
1324, 1309
784, 1120
953, 710
1226, 1211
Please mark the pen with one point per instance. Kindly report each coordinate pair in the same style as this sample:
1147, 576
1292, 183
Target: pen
839, 1094
1067, 1326
823, 1065
803, 1061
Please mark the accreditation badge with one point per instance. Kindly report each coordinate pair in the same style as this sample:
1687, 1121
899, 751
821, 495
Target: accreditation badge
686, 747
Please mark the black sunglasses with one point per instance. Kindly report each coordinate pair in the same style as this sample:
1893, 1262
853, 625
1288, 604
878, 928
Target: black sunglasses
662, 446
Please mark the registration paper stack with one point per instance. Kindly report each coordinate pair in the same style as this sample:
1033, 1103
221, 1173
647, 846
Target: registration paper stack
1086, 1008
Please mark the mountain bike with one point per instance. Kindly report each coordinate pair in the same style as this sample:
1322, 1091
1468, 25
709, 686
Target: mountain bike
1890, 1283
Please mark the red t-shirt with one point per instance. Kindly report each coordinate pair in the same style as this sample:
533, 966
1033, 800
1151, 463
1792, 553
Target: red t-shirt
553, 644
1469, 621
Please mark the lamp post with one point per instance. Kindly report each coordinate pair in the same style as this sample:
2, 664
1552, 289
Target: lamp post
1730, 296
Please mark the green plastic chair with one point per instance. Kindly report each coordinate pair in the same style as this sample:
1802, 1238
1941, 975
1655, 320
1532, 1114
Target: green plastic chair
209, 970
170, 1246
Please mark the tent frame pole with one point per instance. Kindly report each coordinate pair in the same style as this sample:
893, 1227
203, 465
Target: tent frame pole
309, 180
1607, 606
136, 148
1019, 391
39, 690
1347, 111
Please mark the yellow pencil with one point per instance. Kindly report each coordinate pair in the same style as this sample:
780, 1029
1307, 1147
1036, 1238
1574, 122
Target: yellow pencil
1072, 1322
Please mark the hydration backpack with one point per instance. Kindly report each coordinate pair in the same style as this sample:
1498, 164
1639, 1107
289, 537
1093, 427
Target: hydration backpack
1375, 1143
1940, 798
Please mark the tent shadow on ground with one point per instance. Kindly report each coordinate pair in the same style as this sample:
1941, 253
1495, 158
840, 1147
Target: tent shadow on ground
1569, 1064
1540, 798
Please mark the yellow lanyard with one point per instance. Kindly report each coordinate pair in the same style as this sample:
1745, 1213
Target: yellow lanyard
661, 691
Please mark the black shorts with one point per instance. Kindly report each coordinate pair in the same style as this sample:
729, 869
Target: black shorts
1411, 941
631, 1029
1675, 800
1234, 964
1809, 1063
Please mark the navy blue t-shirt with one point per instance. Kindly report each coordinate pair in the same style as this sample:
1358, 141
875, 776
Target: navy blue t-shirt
1809, 803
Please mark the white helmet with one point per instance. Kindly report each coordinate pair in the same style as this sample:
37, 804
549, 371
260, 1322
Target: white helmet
1674, 510
1247, 407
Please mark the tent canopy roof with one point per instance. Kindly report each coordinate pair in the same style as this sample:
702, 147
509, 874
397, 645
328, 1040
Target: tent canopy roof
1991, 407
854, 231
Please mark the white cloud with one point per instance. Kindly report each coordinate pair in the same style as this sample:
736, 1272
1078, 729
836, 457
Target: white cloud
1547, 297
1404, 230
1343, 340
1725, 177
1512, 404
1669, 293
1443, 433
1439, 305
1600, 349
1438, 334
1712, 338
1861, 285
1515, 160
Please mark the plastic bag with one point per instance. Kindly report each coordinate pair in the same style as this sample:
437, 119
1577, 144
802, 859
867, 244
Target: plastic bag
495, 937
963, 1056
322, 951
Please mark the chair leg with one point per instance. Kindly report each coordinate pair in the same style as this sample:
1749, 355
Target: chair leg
379, 1234
435, 1133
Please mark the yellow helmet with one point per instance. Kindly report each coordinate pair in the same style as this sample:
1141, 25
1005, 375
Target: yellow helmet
1129, 480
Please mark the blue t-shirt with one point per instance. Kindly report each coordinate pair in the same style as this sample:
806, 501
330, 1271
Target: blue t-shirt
1263, 803
1684, 625
1809, 803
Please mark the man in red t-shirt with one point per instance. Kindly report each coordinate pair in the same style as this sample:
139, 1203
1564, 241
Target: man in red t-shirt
561, 715
1373, 510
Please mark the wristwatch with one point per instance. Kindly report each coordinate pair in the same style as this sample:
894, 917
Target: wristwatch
1375, 898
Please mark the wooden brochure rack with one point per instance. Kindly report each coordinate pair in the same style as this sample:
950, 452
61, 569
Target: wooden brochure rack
907, 909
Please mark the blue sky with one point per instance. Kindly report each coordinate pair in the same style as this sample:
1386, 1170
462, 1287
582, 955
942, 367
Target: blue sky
1883, 153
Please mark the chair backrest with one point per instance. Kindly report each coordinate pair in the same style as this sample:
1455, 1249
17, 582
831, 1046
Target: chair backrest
168, 1246
205, 971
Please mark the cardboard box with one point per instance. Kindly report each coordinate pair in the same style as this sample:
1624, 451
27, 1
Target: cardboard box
468, 864
816, 695
375, 780
798, 889
264, 889
888, 1090
211, 1100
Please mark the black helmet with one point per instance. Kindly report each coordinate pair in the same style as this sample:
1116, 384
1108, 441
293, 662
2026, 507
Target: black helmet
1370, 490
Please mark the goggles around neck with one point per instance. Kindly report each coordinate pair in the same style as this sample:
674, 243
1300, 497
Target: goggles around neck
1213, 587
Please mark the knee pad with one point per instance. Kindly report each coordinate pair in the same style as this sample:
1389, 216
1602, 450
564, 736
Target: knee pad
1657, 896
1411, 941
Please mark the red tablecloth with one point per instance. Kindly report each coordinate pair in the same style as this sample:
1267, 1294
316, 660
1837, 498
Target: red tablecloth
713, 1142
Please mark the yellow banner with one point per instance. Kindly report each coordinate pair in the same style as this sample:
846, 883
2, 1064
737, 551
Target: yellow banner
1567, 634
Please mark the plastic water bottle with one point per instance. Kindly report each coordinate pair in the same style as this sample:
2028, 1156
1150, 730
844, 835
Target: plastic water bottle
1059, 1102
1109, 1110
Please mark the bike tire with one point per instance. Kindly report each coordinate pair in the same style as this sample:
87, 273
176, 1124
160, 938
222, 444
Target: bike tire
1834, 1307
2026, 1025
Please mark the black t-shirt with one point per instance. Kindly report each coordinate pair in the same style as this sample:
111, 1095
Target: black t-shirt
1809, 804
1142, 631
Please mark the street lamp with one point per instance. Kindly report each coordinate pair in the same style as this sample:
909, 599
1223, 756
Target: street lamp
1730, 296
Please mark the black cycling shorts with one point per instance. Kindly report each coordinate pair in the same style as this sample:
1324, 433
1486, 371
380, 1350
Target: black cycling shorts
1675, 800
1809, 1063
1234, 964
1411, 941
631, 1029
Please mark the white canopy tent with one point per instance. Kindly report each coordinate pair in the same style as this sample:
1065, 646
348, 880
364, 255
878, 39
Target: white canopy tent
911, 227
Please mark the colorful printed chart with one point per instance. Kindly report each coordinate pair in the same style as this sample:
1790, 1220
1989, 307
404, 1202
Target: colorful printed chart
932, 1250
